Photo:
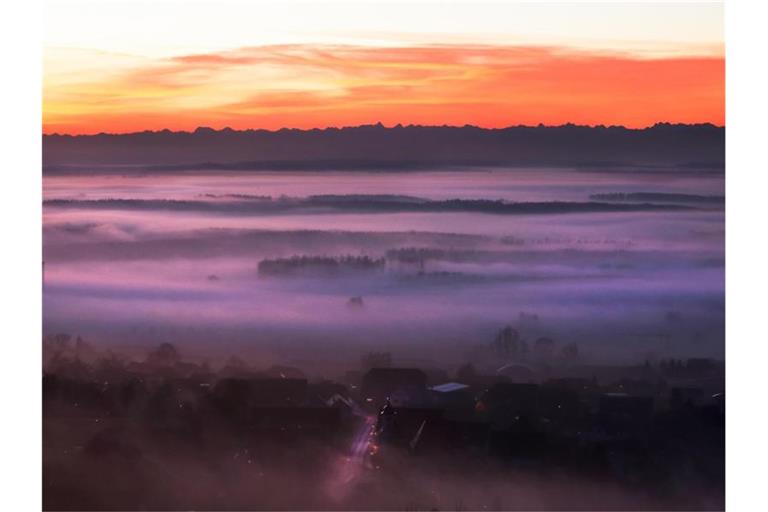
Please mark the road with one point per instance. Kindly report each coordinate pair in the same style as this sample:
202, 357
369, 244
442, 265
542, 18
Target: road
348, 468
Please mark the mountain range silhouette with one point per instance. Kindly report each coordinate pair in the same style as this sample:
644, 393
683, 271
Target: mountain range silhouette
376, 146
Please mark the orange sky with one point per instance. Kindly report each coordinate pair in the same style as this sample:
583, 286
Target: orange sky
307, 86
122, 65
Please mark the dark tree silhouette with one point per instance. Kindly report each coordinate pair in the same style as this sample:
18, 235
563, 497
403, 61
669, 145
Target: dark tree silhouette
507, 343
164, 355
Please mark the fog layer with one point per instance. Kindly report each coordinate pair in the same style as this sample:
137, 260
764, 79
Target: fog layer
135, 259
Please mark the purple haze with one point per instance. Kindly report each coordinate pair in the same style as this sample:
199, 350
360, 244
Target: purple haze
608, 281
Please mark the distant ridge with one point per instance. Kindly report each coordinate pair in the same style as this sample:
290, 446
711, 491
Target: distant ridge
360, 204
695, 145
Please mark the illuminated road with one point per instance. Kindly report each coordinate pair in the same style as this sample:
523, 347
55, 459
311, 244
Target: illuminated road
348, 468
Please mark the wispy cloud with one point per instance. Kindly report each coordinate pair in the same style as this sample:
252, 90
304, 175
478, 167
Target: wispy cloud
317, 86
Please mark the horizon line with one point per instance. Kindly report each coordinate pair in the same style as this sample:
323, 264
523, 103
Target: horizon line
380, 125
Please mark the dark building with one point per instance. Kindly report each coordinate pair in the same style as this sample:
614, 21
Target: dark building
276, 409
562, 408
233, 394
623, 413
402, 385
518, 373
455, 398
506, 402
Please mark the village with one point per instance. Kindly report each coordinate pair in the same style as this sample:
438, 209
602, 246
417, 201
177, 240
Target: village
611, 423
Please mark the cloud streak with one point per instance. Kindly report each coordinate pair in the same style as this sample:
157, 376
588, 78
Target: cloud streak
339, 85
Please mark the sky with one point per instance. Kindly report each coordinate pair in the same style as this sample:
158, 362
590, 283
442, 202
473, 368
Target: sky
112, 66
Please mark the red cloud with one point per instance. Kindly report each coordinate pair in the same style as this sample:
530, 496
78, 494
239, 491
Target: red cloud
304, 86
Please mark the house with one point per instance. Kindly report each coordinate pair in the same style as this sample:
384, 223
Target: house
456, 398
518, 372
401, 385
507, 402
561, 407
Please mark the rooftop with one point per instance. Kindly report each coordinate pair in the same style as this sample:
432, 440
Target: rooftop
449, 387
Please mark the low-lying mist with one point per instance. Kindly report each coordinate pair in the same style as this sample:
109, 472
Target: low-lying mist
133, 259
181, 308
